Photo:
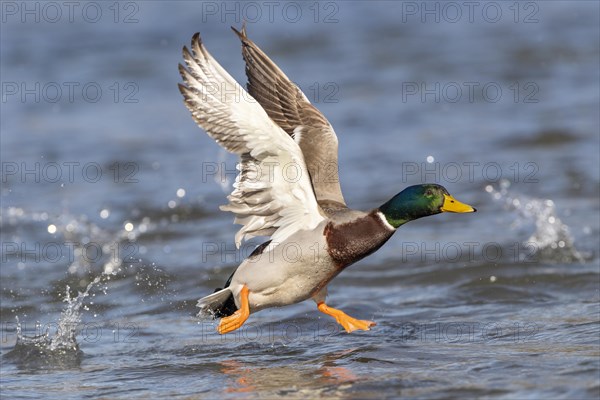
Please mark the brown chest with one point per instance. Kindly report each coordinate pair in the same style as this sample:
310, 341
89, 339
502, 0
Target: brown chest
351, 241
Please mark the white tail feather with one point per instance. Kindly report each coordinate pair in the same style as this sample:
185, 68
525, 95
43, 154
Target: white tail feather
209, 305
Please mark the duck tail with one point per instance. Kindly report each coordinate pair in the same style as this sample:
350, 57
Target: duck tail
218, 305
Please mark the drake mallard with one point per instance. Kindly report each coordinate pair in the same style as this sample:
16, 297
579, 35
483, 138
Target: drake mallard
287, 188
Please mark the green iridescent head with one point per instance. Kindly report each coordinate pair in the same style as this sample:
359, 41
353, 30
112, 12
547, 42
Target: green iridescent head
420, 201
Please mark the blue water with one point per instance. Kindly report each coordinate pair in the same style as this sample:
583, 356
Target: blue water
111, 229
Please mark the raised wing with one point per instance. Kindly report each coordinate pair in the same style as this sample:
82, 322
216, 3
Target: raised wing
285, 103
272, 194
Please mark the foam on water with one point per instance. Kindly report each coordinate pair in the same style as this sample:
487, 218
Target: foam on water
552, 239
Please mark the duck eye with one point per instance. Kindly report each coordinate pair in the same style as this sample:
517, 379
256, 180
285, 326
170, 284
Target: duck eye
428, 192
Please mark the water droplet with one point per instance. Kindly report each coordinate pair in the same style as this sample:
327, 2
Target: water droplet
128, 226
561, 243
51, 228
104, 213
551, 219
171, 203
430, 159
180, 192
493, 278
489, 188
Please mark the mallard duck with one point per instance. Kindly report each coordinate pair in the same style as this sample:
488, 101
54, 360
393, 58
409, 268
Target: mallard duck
286, 189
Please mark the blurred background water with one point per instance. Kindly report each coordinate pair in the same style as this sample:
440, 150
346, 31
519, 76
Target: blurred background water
109, 201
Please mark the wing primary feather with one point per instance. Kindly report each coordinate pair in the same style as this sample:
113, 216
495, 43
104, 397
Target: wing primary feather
264, 204
289, 108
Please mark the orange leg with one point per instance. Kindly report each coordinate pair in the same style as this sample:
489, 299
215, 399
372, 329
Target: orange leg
237, 319
350, 324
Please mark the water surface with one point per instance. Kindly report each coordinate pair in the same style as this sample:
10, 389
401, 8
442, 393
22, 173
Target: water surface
111, 229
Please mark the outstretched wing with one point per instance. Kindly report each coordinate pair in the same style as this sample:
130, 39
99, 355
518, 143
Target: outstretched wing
272, 194
285, 103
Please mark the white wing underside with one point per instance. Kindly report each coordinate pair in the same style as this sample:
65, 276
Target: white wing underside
272, 193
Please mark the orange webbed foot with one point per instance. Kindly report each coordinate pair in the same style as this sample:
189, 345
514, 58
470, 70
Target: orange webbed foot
237, 319
347, 322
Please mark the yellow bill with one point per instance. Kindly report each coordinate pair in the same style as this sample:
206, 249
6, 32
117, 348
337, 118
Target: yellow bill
455, 206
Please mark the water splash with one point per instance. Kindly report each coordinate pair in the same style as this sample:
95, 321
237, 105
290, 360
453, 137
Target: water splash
70, 319
552, 240
59, 349
35, 353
